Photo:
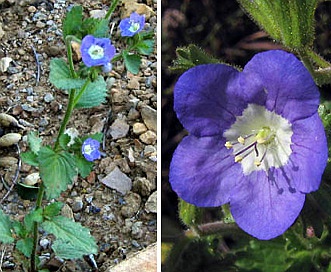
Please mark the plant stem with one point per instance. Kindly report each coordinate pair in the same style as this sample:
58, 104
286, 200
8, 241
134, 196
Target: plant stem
111, 9
33, 265
82, 90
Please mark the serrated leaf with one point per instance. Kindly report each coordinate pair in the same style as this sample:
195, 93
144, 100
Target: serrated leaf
57, 170
265, 256
145, 47
99, 28
52, 209
60, 77
73, 21
5, 227
30, 158
30, 218
84, 167
19, 229
25, 246
132, 62
34, 142
72, 239
94, 95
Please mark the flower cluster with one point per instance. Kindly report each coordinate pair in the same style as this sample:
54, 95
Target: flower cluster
96, 51
255, 140
90, 149
132, 25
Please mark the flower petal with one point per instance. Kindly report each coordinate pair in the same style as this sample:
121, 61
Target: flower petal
207, 99
203, 172
309, 154
291, 91
266, 207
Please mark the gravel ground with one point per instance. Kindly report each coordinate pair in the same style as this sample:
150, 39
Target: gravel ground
117, 201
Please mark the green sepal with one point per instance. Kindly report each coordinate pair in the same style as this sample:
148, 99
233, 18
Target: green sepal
288, 21
190, 56
189, 214
72, 239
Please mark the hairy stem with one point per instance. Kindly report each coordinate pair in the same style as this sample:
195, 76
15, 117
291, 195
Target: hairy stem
111, 9
33, 265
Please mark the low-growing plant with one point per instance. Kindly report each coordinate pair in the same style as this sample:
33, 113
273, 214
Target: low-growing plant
70, 155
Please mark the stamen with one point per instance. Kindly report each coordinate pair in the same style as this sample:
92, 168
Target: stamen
228, 145
238, 158
241, 140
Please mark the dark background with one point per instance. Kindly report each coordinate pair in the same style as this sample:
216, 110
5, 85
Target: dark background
222, 29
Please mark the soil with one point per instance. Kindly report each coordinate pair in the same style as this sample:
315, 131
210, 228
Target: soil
122, 221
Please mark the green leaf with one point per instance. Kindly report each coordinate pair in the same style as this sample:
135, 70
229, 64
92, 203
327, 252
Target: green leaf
57, 170
5, 227
25, 246
19, 229
84, 167
29, 157
52, 210
30, 218
97, 27
73, 22
288, 21
132, 62
72, 239
94, 95
145, 47
60, 77
190, 56
264, 256
34, 142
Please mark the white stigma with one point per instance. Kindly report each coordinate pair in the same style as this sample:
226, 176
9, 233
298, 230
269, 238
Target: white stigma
260, 139
96, 52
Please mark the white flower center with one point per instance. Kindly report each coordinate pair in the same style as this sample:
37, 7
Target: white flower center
88, 150
134, 26
96, 52
260, 139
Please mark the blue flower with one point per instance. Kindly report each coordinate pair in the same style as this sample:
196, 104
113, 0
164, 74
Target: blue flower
255, 140
131, 26
96, 51
90, 149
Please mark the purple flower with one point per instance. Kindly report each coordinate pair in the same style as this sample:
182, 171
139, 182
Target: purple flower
131, 26
90, 149
255, 140
96, 51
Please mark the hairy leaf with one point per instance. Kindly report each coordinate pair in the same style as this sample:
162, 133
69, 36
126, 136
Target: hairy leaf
25, 246
60, 77
94, 95
52, 209
5, 227
132, 62
57, 170
72, 239
73, 21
